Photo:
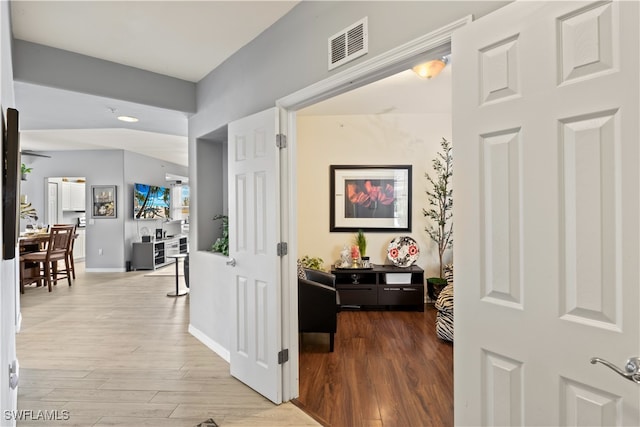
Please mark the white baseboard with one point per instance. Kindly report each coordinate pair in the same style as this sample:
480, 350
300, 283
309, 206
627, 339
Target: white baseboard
106, 270
211, 344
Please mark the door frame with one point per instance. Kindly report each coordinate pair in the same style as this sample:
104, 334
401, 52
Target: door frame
430, 46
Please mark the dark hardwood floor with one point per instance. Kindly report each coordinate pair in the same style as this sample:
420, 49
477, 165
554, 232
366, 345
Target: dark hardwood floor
388, 369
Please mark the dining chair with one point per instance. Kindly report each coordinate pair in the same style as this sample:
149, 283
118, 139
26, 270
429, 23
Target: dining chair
29, 273
71, 264
56, 250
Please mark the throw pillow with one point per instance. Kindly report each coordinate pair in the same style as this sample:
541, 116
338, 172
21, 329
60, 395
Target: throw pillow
448, 273
445, 300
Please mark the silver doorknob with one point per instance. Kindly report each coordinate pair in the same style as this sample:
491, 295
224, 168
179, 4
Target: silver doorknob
631, 368
231, 262
13, 375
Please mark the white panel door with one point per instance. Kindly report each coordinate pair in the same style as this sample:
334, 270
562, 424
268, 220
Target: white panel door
254, 230
52, 203
547, 219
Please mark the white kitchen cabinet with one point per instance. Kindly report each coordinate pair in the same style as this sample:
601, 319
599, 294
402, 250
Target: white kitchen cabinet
73, 196
77, 196
79, 245
66, 196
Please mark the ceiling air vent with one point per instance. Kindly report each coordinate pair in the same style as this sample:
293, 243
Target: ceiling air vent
348, 44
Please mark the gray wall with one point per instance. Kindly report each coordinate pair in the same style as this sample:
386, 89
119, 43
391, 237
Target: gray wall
292, 54
101, 167
289, 56
62, 69
6, 62
144, 170
210, 192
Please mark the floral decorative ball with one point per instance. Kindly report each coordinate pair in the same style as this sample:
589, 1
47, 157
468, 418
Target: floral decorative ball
403, 251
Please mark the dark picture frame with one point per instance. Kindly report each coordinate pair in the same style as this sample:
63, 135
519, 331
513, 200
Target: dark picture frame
10, 182
370, 198
104, 201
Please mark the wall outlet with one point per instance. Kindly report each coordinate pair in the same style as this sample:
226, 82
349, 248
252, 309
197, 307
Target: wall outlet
100, 251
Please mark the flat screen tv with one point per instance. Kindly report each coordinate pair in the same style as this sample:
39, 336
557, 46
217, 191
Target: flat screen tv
10, 182
151, 202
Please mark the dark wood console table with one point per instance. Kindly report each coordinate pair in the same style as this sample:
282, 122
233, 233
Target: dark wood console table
382, 286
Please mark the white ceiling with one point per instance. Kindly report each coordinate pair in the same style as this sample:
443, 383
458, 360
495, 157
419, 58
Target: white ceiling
178, 38
183, 39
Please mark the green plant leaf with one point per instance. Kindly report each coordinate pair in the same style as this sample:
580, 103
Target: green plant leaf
440, 199
221, 245
361, 242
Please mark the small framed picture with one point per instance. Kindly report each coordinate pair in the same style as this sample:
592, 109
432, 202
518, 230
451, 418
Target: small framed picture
103, 201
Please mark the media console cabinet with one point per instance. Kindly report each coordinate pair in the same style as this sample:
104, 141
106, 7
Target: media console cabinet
382, 286
154, 254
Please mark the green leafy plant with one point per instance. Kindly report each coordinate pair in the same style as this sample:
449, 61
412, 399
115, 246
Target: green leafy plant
314, 263
24, 170
441, 201
361, 241
221, 244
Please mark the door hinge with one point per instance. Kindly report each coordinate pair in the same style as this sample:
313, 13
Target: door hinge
282, 249
283, 356
281, 140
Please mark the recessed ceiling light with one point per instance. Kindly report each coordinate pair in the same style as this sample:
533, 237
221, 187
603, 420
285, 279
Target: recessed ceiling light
128, 119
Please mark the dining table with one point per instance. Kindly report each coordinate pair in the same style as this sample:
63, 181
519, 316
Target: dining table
30, 239
31, 242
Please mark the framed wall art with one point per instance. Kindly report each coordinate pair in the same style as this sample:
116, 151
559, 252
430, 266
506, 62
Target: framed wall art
10, 182
103, 201
370, 198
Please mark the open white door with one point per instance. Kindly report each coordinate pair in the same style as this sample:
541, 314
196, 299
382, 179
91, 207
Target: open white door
547, 219
52, 203
254, 230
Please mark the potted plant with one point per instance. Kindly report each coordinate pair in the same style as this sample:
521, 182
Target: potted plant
24, 170
221, 244
313, 263
440, 196
361, 242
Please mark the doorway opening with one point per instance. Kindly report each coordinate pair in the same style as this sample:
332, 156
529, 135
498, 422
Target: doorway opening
430, 46
400, 119
66, 203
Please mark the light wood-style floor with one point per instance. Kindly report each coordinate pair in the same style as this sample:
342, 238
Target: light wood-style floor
113, 349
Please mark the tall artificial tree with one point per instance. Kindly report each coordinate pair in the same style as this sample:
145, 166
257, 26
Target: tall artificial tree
440, 230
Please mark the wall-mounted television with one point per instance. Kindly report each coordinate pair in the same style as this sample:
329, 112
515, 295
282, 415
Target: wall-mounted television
151, 202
